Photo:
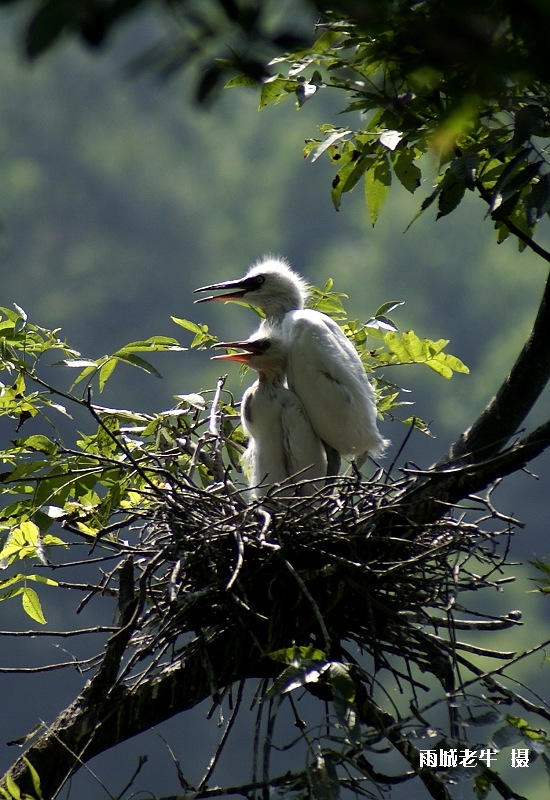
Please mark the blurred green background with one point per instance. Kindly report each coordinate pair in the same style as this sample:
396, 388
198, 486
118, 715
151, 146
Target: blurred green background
119, 196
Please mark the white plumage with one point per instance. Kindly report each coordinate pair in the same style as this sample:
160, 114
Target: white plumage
323, 366
283, 445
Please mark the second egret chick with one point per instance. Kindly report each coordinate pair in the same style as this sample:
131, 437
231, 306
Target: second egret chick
283, 445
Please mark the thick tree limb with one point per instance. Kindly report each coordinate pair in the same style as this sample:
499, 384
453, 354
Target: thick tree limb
436, 490
522, 388
93, 724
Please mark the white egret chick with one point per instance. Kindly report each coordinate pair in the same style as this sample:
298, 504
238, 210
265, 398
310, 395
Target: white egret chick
323, 367
283, 445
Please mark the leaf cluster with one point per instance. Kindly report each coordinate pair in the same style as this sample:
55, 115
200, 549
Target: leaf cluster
463, 83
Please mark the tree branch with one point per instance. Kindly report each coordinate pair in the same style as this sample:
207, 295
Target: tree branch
437, 490
521, 389
93, 724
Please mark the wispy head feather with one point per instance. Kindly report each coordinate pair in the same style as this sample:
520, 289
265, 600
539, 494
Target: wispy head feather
282, 290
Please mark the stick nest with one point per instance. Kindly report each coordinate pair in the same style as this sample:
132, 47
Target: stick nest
344, 565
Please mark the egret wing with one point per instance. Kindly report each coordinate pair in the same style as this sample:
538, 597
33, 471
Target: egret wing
326, 373
305, 455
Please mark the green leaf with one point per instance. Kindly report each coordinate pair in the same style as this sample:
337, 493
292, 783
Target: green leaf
297, 676
405, 349
334, 137
35, 778
445, 364
32, 606
77, 362
406, 171
387, 308
327, 39
86, 372
482, 784
11, 581
11, 593
30, 531
13, 789
105, 371
275, 89
41, 578
450, 197
377, 185
193, 399
341, 681
241, 80
538, 201
38, 443
353, 167
154, 344
506, 176
528, 121
203, 338
410, 349
290, 655
137, 361
188, 325
466, 168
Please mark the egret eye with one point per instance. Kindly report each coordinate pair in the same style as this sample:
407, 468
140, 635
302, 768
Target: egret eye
260, 279
266, 345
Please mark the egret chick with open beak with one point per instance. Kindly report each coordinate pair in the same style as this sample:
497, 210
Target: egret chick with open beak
283, 446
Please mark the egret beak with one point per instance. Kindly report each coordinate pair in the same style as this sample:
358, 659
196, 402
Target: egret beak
240, 287
244, 358
251, 349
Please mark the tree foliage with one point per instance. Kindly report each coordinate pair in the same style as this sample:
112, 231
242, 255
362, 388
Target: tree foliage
358, 596
465, 83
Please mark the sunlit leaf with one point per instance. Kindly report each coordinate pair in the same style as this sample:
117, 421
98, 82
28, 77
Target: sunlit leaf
387, 308
39, 443
12, 788
390, 139
78, 362
304, 92
193, 399
297, 653
335, 136
296, 676
32, 605
275, 89
35, 779
105, 372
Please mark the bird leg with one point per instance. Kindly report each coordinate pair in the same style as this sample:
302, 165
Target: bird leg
333, 460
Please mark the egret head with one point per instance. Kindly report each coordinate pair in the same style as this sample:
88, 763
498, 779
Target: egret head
265, 354
270, 285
